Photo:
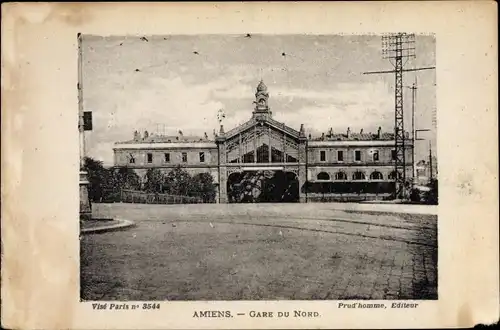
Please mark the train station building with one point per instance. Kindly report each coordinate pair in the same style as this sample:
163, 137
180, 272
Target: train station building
264, 160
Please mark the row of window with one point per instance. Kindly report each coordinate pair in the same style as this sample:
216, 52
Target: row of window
166, 157
322, 156
358, 175
357, 155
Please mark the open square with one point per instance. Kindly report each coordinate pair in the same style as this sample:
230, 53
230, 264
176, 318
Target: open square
320, 251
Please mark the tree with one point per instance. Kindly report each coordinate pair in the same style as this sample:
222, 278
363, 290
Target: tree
203, 186
155, 181
106, 184
178, 182
97, 176
126, 178
432, 196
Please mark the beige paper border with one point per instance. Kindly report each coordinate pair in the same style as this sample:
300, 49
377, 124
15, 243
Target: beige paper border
40, 156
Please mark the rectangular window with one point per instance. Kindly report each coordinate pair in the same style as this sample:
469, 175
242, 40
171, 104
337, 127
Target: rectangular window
375, 156
150, 158
322, 155
184, 157
357, 155
340, 156
167, 157
393, 154
202, 157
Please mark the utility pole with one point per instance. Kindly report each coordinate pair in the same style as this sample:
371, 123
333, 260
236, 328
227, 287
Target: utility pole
413, 98
84, 123
398, 48
81, 129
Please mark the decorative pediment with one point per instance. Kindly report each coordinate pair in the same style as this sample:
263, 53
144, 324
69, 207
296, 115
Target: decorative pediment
274, 124
262, 117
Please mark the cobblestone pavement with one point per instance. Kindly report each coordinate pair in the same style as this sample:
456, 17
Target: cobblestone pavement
256, 252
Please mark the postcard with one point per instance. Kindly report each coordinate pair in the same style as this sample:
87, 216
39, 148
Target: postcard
249, 165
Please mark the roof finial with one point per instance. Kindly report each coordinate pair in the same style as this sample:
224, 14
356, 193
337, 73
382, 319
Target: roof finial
261, 87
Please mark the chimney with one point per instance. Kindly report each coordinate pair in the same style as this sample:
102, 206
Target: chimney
137, 136
348, 132
379, 132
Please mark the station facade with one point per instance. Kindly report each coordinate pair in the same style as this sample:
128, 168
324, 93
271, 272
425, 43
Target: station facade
264, 160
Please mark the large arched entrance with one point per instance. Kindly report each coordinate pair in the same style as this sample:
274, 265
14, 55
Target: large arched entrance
263, 186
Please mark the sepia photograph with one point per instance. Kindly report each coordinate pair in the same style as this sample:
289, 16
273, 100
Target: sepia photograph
258, 167
243, 165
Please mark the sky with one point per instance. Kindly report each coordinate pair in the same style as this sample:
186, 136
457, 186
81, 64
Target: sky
168, 83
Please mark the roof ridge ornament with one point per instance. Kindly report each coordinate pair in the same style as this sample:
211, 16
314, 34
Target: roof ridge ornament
261, 101
261, 87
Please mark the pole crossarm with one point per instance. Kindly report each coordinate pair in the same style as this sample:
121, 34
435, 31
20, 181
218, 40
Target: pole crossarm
420, 130
404, 70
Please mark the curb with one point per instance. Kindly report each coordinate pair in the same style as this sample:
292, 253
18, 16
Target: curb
103, 229
391, 208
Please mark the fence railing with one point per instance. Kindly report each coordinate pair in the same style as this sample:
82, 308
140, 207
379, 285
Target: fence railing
133, 196
325, 198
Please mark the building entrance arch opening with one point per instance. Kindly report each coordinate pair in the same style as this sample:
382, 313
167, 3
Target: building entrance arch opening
263, 186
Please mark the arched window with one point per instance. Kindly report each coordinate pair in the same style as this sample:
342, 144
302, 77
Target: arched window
392, 175
358, 175
376, 176
340, 176
323, 176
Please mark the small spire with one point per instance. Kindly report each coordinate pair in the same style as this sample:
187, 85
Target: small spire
261, 87
221, 131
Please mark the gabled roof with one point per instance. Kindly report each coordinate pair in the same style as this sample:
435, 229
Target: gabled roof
250, 123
